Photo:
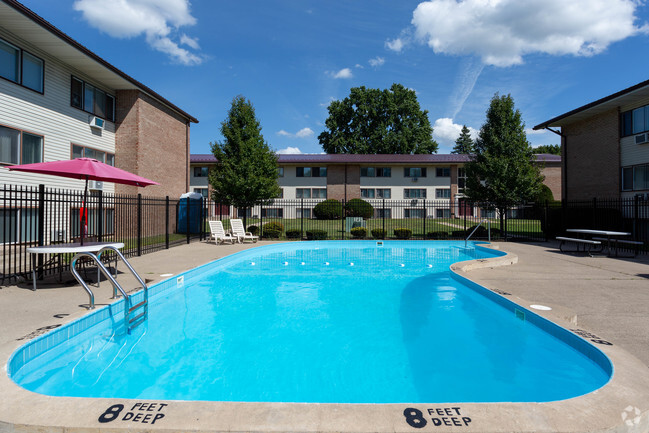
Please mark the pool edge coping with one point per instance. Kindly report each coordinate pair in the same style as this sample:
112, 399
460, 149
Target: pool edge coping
601, 410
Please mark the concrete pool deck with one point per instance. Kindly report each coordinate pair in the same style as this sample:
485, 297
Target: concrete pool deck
606, 300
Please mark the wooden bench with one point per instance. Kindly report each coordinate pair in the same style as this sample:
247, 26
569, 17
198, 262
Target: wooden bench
622, 241
578, 241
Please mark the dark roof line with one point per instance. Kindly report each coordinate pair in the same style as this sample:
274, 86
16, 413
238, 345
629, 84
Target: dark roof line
592, 104
52, 29
370, 158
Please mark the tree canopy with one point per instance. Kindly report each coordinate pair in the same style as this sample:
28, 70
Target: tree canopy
375, 121
464, 143
246, 170
502, 170
552, 149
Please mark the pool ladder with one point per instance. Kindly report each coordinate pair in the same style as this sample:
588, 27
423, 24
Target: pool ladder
486, 220
134, 315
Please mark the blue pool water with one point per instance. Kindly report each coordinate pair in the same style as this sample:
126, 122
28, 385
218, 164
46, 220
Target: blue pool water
347, 322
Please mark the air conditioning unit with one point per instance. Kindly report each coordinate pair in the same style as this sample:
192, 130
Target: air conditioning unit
97, 122
641, 139
95, 185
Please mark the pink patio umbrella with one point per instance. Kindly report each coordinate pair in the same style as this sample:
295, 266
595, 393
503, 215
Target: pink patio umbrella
88, 169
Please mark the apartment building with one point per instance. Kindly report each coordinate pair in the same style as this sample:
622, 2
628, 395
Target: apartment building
59, 100
605, 146
438, 177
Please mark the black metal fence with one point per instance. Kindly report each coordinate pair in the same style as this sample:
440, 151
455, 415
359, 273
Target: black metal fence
34, 216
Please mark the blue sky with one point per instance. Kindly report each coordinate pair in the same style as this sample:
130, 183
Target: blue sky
290, 58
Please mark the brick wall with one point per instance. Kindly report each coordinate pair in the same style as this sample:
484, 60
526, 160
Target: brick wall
552, 173
336, 182
151, 141
591, 158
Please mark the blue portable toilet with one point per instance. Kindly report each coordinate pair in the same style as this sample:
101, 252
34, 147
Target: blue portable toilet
189, 212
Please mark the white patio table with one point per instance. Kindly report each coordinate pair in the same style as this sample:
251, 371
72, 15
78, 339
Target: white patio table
74, 247
610, 236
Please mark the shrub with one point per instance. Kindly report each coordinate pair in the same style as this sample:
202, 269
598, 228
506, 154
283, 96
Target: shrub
402, 233
378, 233
272, 234
314, 235
359, 232
254, 230
437, 235
330, 209
544, 195
293, 234
357, 207
273, 226
458, 234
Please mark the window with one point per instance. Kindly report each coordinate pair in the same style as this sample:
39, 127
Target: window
627, 179
88, 98
414, 193
280, 172
19, 147
414, 213
443, 172
201, 171
281, 193
88, 152
461, 179
241, 213
382, 213
414, 172
383, 193
310, 171
21, 67
443, 213
108, 222
302, 192
635, 121
367, 193
272, 213
319, 193
202, 191
443, 193
18, 225
640, 177
303, 213
376, 172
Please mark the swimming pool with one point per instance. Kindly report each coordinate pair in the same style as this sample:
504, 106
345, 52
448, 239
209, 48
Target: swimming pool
350, 322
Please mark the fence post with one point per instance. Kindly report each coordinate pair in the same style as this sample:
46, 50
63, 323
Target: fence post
545, 219
188, 214
41, 226
424, 201
100, 216
302, 217
342, 216
384, 219
261, 219
636, 214
139, 225
167, 222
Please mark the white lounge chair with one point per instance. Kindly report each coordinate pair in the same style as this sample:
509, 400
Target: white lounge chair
240, 232
218, 233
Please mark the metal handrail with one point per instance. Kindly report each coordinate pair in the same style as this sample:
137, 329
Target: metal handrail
128, 265
466, 241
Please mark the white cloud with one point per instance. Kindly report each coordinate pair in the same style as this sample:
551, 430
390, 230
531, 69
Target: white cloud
445, 132
302, 133
157, 20
501, 32
377, 61
343, 73
395, 44
289, 151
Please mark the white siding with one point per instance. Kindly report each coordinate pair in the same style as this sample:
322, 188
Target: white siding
633, 154
51, 116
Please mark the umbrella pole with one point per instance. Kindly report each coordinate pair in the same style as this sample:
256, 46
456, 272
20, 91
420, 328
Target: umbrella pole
84, 212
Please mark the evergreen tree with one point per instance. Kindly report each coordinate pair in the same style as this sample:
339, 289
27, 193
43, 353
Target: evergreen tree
552, 149
246, 170
464, 143
502, 171
375, 121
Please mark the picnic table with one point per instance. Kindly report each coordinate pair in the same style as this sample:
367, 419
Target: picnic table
612, 238
73, 247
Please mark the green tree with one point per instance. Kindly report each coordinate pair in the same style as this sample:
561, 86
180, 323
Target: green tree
502, 171
552, 149
246, 170
374, 121
464, 143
